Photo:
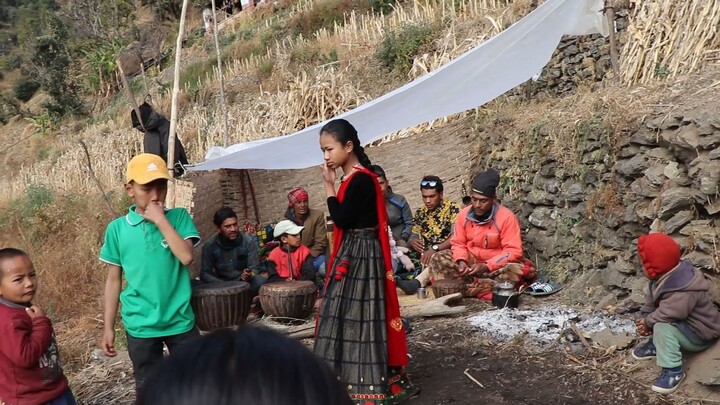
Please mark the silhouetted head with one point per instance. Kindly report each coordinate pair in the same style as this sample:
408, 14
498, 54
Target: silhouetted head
248, 366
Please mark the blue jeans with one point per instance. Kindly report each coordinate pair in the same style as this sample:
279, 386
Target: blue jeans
67, 398
256, 282
319, 265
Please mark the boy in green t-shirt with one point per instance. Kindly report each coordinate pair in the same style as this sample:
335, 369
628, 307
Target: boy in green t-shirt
151, 247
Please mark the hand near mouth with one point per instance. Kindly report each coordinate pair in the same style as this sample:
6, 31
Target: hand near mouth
154, 212
35, 311
328, 173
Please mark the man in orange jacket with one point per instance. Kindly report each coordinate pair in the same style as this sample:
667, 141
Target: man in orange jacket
486, 241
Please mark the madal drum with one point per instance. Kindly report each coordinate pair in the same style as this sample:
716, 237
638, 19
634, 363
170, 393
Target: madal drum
288, 299
221, 305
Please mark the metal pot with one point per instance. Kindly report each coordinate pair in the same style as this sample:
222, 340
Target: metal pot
505, 296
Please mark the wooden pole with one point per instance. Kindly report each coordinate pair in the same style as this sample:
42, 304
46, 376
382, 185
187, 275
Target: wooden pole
222, 80
128, 93
97, 181
142, 69
610, 17
170, 201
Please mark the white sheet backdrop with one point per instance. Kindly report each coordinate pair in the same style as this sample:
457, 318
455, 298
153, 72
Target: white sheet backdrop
474, 78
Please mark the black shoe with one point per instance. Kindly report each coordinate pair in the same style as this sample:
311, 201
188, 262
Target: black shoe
406, 325
409, 287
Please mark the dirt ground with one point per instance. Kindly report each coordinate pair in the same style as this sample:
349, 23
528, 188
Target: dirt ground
510, 373
447, 353
520, 371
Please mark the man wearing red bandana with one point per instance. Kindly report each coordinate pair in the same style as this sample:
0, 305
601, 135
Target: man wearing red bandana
314, 234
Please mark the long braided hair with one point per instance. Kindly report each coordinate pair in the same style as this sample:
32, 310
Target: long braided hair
343, 131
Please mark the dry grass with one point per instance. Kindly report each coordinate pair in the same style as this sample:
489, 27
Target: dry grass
62, 236
106, 382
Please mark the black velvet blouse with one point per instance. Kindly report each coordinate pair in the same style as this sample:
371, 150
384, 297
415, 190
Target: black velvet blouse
359, 207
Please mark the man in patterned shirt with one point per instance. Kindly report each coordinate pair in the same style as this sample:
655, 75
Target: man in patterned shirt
432, 230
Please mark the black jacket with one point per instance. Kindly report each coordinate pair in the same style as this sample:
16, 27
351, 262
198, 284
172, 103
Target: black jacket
157, 130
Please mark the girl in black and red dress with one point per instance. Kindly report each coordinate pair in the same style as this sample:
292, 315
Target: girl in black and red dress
359, 329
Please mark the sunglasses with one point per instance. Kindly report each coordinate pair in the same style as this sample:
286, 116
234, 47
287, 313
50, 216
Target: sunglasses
428, 183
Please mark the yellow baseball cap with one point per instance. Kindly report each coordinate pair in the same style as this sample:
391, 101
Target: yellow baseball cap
145, 168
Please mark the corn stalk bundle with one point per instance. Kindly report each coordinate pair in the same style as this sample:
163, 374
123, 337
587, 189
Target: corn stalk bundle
668, 38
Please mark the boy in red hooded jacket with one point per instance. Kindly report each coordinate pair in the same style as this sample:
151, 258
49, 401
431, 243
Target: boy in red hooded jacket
30, 371
291, 260
679, 313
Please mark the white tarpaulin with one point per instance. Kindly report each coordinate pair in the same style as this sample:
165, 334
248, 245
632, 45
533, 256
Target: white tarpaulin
474, 78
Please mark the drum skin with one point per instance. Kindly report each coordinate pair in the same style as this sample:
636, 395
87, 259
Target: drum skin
448, 286
289, 299
221, 305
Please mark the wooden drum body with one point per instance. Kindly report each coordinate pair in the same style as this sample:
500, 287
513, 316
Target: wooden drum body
449, 286
289, 299
221, 304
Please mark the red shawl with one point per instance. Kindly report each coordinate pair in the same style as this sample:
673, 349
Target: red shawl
396, 340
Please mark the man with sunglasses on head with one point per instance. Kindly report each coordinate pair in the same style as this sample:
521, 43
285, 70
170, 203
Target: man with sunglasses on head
432, 230
485, 243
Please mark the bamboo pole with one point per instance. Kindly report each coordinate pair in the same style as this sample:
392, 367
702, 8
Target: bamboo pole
170, 201
222, 79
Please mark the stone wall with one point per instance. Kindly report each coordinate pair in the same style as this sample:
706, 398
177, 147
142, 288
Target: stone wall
578, 60
582, 212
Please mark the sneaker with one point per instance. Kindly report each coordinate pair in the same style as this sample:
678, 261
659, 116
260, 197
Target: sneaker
645, 352
668, 381
409, 287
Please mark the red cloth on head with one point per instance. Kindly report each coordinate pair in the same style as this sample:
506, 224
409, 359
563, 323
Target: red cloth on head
297, 194
659, 254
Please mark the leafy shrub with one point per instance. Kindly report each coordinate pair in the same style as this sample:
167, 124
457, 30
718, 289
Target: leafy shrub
324, 15
310, 54
9, 106
11, 61
192, 77
265, 68
26, 208
399, 48
381, 6
25, 89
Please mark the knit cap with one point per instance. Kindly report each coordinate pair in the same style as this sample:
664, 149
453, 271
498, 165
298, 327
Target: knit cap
486, 182
658, 253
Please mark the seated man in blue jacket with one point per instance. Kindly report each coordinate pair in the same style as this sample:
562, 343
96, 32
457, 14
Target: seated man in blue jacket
231, 255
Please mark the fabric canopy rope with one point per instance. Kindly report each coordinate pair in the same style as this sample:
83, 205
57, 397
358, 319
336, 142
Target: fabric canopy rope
469, 81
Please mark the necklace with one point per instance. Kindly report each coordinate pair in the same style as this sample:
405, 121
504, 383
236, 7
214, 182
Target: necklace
345, 176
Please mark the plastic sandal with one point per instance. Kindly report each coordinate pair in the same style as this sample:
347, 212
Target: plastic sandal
539, 289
